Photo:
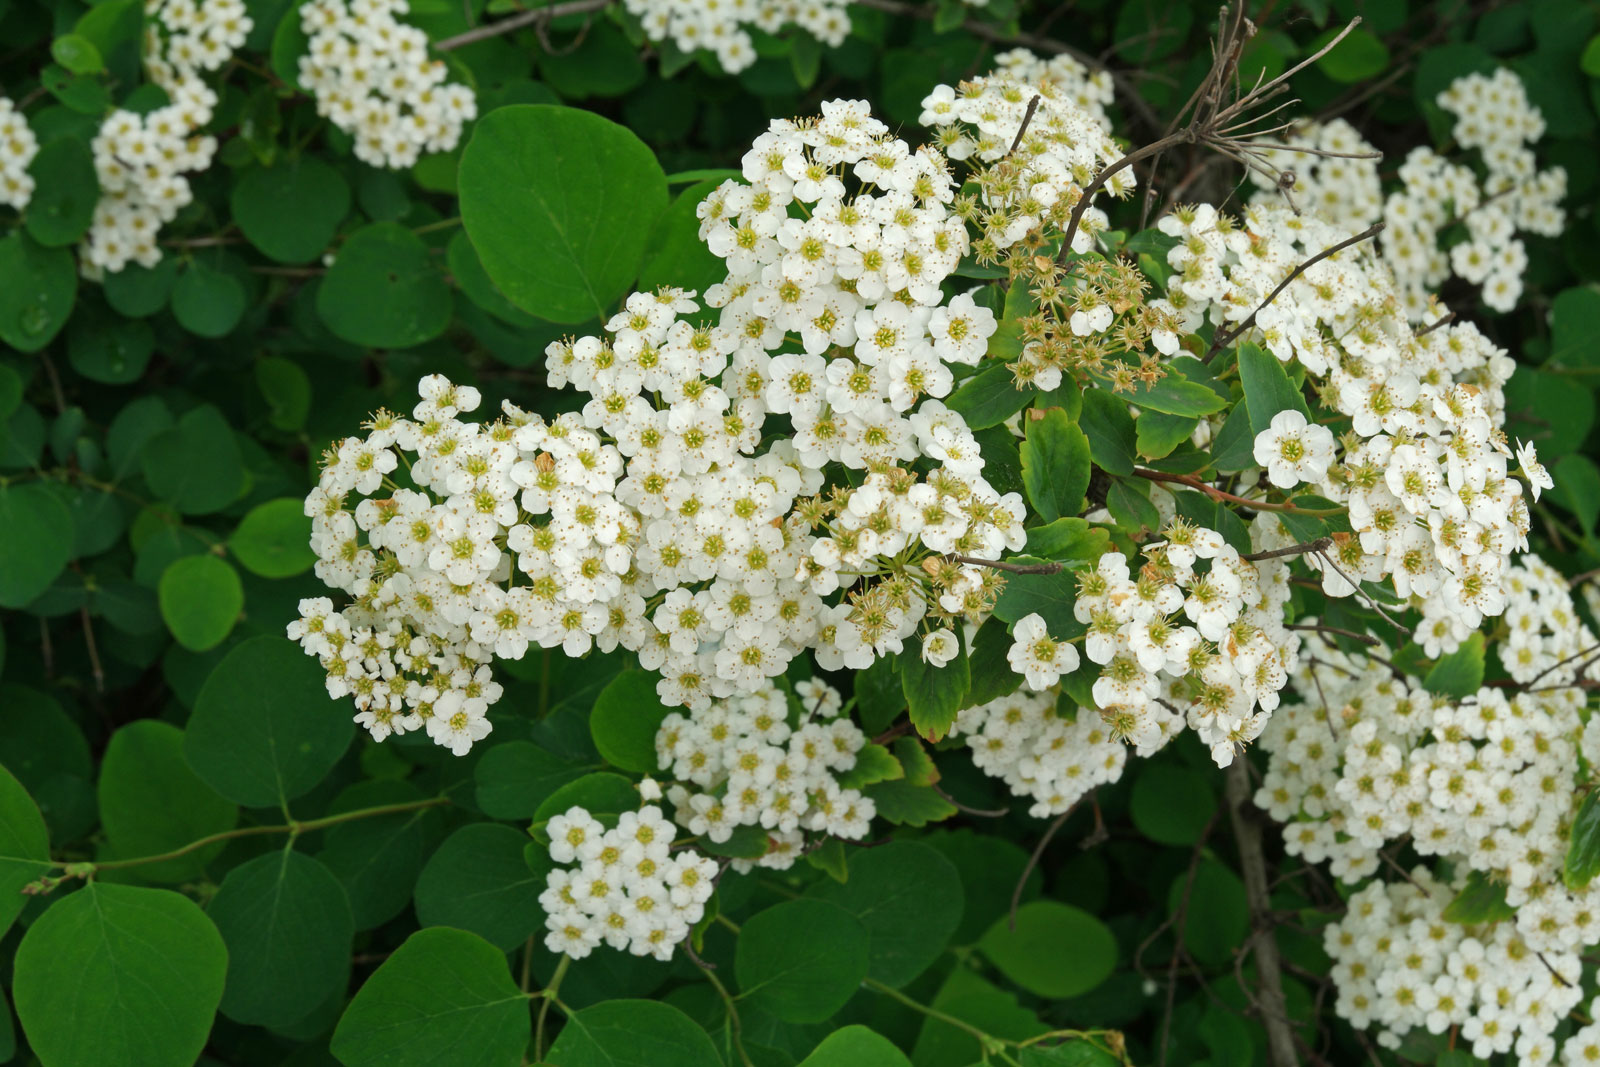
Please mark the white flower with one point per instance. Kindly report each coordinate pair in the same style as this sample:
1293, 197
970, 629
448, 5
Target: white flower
1528, 459
939, 648
1038, 657
1294, 451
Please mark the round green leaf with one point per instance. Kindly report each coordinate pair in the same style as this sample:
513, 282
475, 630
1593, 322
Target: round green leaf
626, 716
287, 926
471, 279
856, 1046
137, 291
478, 881
24, 846
801, 960
152, 803
632, 1033
200, 598
909, 898
1218, 916
111, 350
119, 976
195, 465
287, 391
444, 996
77, 54
515, 777
602, 794
65, 188
207, 302
559, 204
384, 291
1361, 55
263, 730
675, 254
35, 541
37, 288
273, 539
1055, 951
291, 211
43, 747
377, 859
1171, 805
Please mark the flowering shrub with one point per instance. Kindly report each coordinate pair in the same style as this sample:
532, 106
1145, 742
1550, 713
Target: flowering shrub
531, 536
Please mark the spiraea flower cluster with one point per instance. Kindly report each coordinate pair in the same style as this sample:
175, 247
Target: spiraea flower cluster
722, 29
372, 78
142, 160
625, 886
1493, 194
18, 146
1423, 468
754, 761
1489, 782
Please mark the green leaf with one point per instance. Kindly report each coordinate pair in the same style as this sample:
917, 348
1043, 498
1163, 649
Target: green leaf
632, 1033
377, 858
1233, 449
514, 778
201, 597
137, 291
1170, 804
206, 301
933, 694
1267, 388
874, 763
1481, 900
292, 210
626, 716
110, 349
43, 747
1543, 407
1128, 500
1006, 342
444, 996
1050, 595
384, 290
1157, 433
1147, 30
195, 465
1360, 56
24, 846
1056, 950
801, 960
971, 998
1218, 917
1109, 427
991, 673
603, 794
77, 54
675, 254
904, 804
1176, 395
1589, 62
287, 925
559, 204
37, 288
908, 897
1583, 844
263, 730
856, 1046
65, 189
119, 976
478, 881
1460, 673
273, 539
152, 803
36, 534
1055, 465
989, 398
1578, 488
286, 390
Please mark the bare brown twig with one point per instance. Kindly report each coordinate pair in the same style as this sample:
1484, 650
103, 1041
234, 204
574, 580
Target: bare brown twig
534, 17
1269, 968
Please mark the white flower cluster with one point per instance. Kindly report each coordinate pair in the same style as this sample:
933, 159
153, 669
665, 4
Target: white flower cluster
628, 889
750, 761
1399, 964
1066, 141
1090, 89
18, 146
720, 28
141, 160
1039, 754
1424, 468
372, 77
1504, 195
1488, 782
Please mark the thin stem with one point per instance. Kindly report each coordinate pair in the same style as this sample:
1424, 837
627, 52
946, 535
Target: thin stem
735, 1027
294, 827
1365, 639
1253, 867
1321, 544
548, 995
932, 1013
1033, 861
1218, 494
1227, 337
518, 21
1027, 117
1012, 568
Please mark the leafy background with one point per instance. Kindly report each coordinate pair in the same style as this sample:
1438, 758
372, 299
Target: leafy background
157, 433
